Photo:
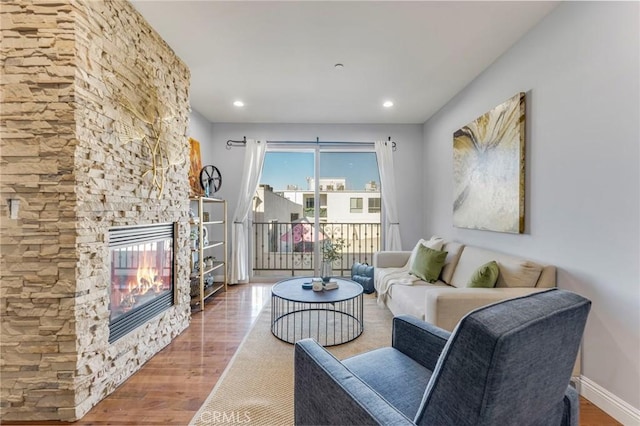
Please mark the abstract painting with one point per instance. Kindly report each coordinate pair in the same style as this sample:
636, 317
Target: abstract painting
488, 170
195, 188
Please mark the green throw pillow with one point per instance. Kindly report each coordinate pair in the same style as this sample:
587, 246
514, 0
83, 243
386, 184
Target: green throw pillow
428, 263
485, 276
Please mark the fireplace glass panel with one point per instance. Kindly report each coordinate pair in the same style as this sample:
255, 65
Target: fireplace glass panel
142, 274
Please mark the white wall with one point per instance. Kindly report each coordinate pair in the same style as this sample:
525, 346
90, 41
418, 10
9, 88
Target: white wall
199, 128
580, 71
407, 158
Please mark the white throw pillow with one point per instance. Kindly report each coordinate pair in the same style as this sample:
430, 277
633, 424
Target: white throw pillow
434, 243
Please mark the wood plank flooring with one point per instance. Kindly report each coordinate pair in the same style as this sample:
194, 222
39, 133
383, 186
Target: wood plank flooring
172, 386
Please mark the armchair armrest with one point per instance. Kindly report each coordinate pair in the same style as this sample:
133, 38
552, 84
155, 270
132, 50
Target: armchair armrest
390, 259
419, 340
327, 392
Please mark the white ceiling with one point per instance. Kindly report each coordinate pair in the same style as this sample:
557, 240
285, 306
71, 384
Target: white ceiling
278, 57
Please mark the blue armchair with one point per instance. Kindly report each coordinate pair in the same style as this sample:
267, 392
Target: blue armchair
504, 364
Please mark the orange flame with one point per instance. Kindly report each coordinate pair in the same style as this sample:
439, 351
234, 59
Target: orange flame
147, 277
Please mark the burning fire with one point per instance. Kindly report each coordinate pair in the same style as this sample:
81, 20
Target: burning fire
147, 280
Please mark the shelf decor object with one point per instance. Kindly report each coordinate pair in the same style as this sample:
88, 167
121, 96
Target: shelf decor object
210, 180
488, 170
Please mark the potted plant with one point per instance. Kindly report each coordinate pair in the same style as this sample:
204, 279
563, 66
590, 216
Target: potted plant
331, 251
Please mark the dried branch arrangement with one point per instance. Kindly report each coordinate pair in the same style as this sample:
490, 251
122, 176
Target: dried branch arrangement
146, 121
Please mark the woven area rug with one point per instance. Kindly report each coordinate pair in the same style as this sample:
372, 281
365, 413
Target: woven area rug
257, 386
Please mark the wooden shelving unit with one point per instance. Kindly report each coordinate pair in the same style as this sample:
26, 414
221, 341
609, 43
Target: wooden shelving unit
208, 276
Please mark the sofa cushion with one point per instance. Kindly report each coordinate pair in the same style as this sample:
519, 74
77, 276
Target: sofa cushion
518, 273
454, 250
428, 264
410, 299
485, 276
434, 242
514, 271
387, 368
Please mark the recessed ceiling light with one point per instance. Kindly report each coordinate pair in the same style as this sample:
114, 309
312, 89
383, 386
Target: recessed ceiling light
387, 104
238, 104
338, 66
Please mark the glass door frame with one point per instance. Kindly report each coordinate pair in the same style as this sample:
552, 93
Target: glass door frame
317, 149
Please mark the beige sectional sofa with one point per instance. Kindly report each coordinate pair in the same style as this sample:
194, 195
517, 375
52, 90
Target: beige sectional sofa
446, 301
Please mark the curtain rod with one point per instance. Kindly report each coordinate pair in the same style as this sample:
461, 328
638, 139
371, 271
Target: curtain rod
231, 143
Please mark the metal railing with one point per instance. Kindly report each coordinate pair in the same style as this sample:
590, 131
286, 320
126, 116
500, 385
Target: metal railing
288, 248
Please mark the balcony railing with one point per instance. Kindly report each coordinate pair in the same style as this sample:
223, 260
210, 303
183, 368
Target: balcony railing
288, 248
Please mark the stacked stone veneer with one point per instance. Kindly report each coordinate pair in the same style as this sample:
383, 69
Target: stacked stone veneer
76, 76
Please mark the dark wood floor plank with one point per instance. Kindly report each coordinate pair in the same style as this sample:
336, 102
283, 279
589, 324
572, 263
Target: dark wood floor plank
171, 387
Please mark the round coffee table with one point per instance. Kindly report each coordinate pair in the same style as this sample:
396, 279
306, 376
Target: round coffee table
331, 317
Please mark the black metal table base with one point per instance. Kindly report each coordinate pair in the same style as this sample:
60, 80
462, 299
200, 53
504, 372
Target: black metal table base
329, 323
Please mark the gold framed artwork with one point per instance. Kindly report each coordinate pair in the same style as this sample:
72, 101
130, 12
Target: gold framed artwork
194, 170
489, 169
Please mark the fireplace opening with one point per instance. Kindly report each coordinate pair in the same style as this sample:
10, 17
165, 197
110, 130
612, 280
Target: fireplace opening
142, 275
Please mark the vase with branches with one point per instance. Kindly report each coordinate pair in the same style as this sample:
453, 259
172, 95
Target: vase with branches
331, 252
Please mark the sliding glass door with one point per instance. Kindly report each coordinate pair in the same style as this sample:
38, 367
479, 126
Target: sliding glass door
310, 198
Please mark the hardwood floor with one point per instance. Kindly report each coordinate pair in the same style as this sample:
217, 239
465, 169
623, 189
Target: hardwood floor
172, 386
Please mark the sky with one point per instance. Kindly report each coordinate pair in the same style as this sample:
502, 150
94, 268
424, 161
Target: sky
292, 168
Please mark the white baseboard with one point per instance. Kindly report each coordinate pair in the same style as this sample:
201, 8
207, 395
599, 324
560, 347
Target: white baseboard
608, 402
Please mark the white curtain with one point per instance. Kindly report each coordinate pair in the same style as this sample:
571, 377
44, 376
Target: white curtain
384, 153
253, 161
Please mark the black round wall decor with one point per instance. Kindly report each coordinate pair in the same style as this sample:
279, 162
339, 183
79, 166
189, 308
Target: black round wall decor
210, 179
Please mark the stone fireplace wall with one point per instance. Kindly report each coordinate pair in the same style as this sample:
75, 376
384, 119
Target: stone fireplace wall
90, 97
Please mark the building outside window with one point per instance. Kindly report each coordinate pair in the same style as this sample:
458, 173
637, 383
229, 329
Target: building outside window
309, 205
309, 202
356, 205
374, 205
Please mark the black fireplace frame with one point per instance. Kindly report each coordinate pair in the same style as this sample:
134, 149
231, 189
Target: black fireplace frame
120, 236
